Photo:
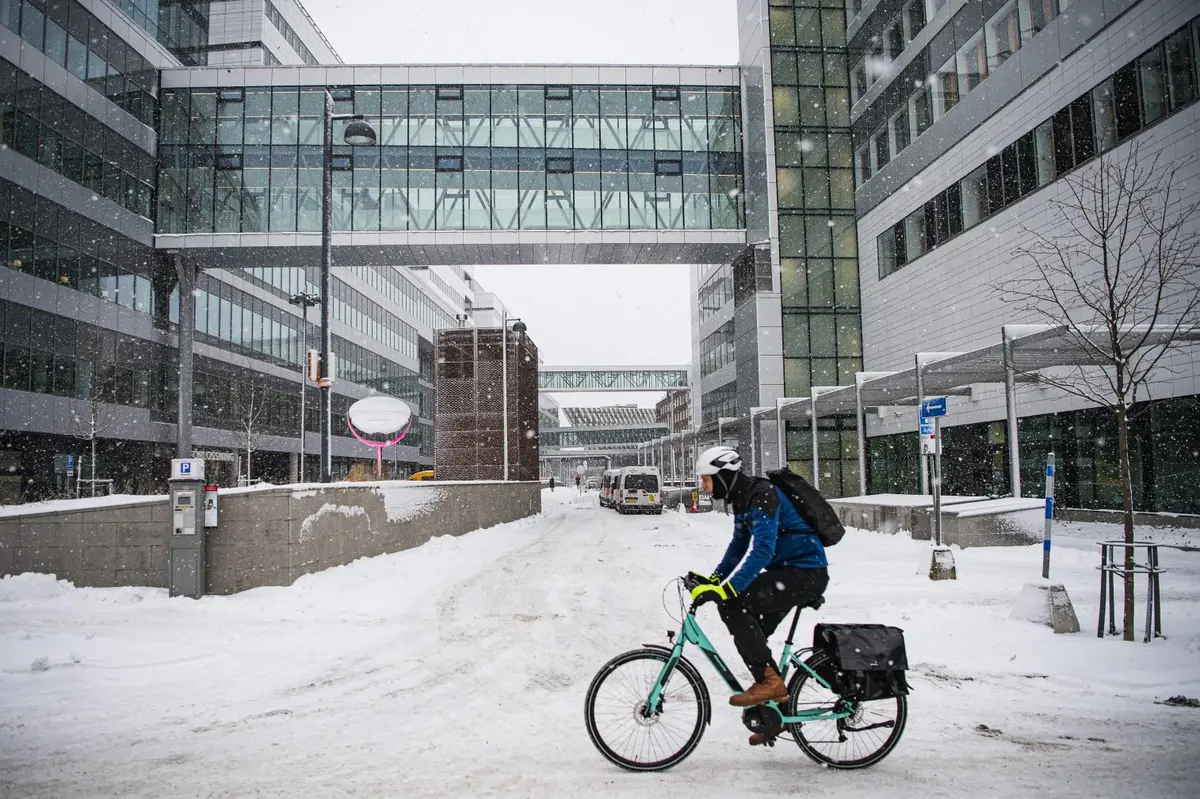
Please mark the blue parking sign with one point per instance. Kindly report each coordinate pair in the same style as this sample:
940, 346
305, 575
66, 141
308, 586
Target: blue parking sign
185, 468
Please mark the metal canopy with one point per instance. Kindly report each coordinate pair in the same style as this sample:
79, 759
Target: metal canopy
1023, 351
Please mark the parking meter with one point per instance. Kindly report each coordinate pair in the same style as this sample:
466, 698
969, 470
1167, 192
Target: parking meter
185, 542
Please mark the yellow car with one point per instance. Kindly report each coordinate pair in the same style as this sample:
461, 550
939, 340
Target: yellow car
425, 475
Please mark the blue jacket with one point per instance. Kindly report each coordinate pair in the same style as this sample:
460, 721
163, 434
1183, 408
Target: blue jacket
760, 511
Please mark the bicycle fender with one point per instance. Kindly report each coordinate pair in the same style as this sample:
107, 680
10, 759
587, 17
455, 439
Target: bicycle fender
687, 666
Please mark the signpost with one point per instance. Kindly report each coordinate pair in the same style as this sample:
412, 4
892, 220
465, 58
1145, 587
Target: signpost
1049, 514
932, 410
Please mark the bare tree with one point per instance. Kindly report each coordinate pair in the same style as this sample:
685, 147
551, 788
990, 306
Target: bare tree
248, 401
1116, 263
98, 416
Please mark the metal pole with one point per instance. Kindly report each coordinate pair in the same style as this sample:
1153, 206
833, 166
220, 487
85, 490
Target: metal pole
1049, 515
720, 433
816, 457
937, 480
325, 384
1010, 404
185, 277
921, 399
779, 436
504, 387
861, 424
753, 448
303, 381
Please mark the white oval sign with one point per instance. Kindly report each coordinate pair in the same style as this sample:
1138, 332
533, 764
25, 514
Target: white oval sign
379, 415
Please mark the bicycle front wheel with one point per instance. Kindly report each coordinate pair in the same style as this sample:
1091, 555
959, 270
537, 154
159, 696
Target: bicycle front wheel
634, 736
860, 740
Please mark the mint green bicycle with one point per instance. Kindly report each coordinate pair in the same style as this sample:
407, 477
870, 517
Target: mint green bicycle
646, 709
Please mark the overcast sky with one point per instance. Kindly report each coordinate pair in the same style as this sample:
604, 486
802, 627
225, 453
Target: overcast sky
586, 315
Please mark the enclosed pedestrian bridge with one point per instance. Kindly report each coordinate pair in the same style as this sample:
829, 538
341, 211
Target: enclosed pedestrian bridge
558, 379
472, 165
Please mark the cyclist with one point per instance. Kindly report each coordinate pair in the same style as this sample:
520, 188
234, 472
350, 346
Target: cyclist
785, 567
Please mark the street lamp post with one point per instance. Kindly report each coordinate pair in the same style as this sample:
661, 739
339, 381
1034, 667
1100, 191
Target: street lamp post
358, 133
305, 300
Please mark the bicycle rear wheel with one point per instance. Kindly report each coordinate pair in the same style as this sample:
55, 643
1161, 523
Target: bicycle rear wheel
617, 698
858, 741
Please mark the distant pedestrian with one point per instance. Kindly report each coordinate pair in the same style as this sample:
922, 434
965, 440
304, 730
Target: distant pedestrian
578, 485
551, 482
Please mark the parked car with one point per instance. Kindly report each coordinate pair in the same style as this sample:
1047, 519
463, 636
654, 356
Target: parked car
638, 490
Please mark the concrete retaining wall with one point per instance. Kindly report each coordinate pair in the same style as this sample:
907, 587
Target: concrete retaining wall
966, 521
265, 537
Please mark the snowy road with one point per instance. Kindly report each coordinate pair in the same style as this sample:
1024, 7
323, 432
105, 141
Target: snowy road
459, 668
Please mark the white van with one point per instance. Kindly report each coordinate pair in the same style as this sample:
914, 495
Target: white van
638, 490
608, 482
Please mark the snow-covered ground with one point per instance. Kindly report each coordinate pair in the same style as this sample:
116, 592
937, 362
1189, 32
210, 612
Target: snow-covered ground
459, 669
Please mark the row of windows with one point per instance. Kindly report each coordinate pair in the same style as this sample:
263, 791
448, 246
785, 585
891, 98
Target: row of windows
694, 119
1159, 82
58, 263
717, 349
46, 128
179, 25
289, 35
252, 326
807, 25
401, 293
263, 328
819, 282
53, 354
982, 37
279, 189
719, 402
75, 40
886, 47
717, 292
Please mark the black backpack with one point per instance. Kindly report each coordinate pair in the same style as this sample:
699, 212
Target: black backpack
811, 506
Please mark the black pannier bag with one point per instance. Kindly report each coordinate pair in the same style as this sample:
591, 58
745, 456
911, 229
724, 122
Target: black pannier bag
811, 506
867, 660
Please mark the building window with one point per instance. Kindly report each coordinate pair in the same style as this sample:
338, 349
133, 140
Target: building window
862, 161
1154, 86
560, 165
972, 63
449, 93
945, 88
900, 131
975, 197
920, 110
914, 18
1181, 66
1127, 101
1040, 13
1004, 34
883, 153
558, 92
895, 40
858, 81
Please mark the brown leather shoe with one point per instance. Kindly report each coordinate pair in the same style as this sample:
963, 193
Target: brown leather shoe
758, 739
770, 688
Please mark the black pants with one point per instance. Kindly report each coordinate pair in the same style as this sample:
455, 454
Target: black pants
754, 614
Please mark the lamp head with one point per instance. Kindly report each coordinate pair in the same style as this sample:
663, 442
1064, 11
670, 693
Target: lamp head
359, 133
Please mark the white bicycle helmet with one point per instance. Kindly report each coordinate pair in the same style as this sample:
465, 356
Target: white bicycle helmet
715, 459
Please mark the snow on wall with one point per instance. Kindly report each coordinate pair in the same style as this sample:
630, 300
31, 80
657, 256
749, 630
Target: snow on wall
407, 502
326, 509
